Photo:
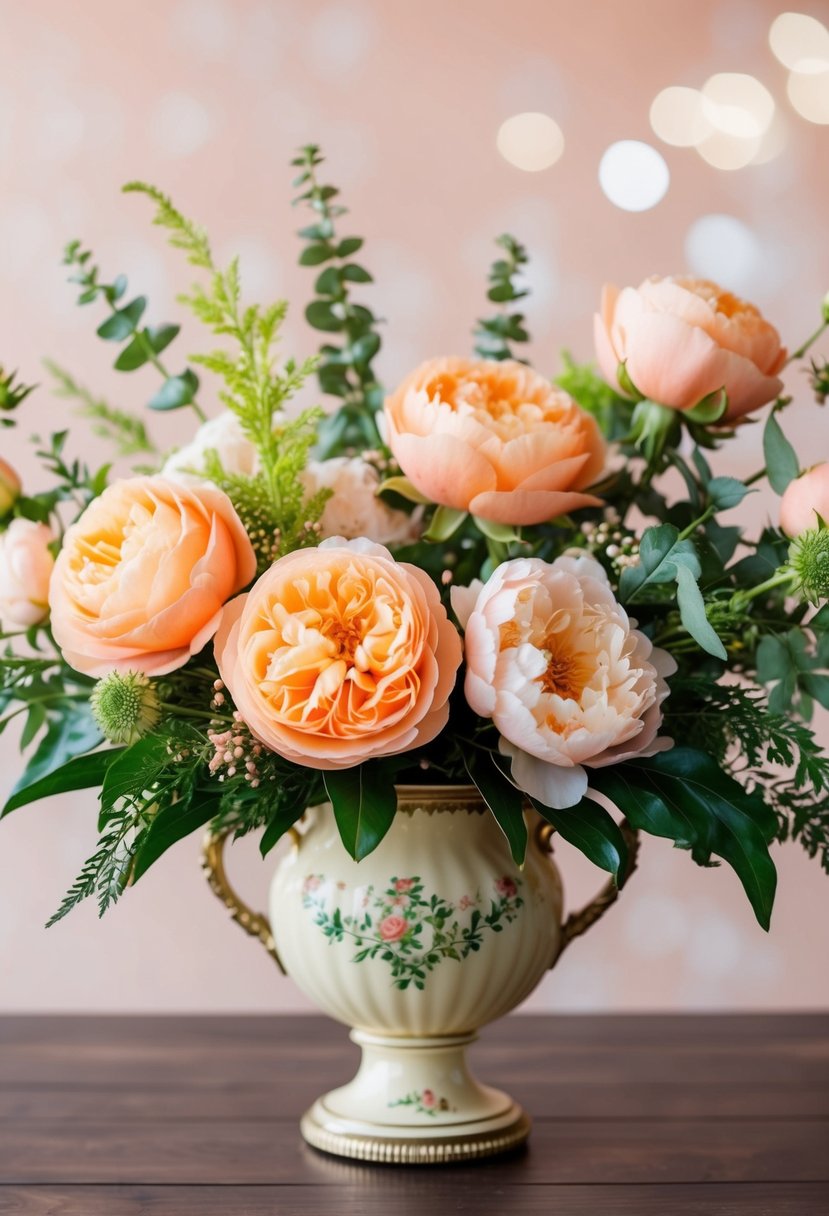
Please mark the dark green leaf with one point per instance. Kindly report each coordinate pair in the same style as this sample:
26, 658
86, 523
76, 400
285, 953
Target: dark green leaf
284, 817
782, 464
134, 355
313, 255
684, 795
348, 246
355, 274
503, 799
692, 614
71, 734
661, 552
319, 314
160, 336
124, 322
329, 283
81, 773
134, 770
726, 492
176, 392
363, 349
364, 802
172, 823
590, 829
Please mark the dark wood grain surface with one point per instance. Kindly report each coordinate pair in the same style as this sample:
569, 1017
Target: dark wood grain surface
169, 1116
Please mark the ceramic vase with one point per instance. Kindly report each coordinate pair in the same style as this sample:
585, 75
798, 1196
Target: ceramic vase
434, 934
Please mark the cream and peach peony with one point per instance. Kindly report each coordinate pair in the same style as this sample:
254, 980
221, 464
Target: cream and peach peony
142, 576
554, 661
224, 436
338, 654
806, 498
26, 565
495, 439
683, 338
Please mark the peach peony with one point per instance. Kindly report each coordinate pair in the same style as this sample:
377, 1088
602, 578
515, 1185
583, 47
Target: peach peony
10, 487
553, 659
339, 654
142, 576
683, 338
805, 498
26, 565
495, 439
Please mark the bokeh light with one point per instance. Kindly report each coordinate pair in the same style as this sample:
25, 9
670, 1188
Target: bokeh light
633, 175
724, 248
737, 104
678, 116
794, 37
530, 141
808, 91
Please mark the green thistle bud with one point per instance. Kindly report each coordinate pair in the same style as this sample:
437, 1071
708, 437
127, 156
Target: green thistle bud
125, 706
809, 559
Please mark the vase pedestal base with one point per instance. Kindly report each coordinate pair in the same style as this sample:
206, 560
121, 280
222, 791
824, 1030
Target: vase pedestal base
414, 1102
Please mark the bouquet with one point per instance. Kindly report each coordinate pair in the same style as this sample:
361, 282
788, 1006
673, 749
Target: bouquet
481, 576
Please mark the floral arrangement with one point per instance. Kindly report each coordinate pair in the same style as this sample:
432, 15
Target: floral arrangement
481, 576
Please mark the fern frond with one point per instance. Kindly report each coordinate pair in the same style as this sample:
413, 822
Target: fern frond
184, 234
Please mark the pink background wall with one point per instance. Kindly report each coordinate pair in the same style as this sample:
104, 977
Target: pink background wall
208, 98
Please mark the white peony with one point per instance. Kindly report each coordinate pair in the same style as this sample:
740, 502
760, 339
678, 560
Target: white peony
223, 435
354, 508
554, 660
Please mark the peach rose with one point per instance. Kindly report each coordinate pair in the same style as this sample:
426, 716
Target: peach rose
683, 338
142, 576
554, 661
804, 499
26, 565
338, 654
10, 487
495, 439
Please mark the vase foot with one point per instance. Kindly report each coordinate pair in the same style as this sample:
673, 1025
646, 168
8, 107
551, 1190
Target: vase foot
414, 1102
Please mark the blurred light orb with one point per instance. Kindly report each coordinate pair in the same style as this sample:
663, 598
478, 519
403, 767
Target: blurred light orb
724, 248
737, 104
729, 152
633, 175
794, 37
180, 124
678, 116
531, 141
808, 90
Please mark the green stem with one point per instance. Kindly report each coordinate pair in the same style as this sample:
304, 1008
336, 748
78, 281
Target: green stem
692, 527
779, 579
801, 350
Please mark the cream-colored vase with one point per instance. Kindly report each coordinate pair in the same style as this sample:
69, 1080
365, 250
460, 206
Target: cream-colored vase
434, 934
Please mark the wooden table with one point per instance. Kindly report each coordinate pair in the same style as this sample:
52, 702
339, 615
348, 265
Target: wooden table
633, 1116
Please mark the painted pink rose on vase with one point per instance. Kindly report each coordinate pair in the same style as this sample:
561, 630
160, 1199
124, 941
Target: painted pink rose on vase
142, 576
401, 885
554, 661
681, 339
392, 928
428, 1099
340, 653
495, 439
806, 498
506, 887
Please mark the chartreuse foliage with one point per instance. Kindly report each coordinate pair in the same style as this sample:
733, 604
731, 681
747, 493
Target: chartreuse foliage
257, 387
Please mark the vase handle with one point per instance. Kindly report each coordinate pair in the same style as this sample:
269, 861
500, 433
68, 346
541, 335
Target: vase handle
579, 922
254, 923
